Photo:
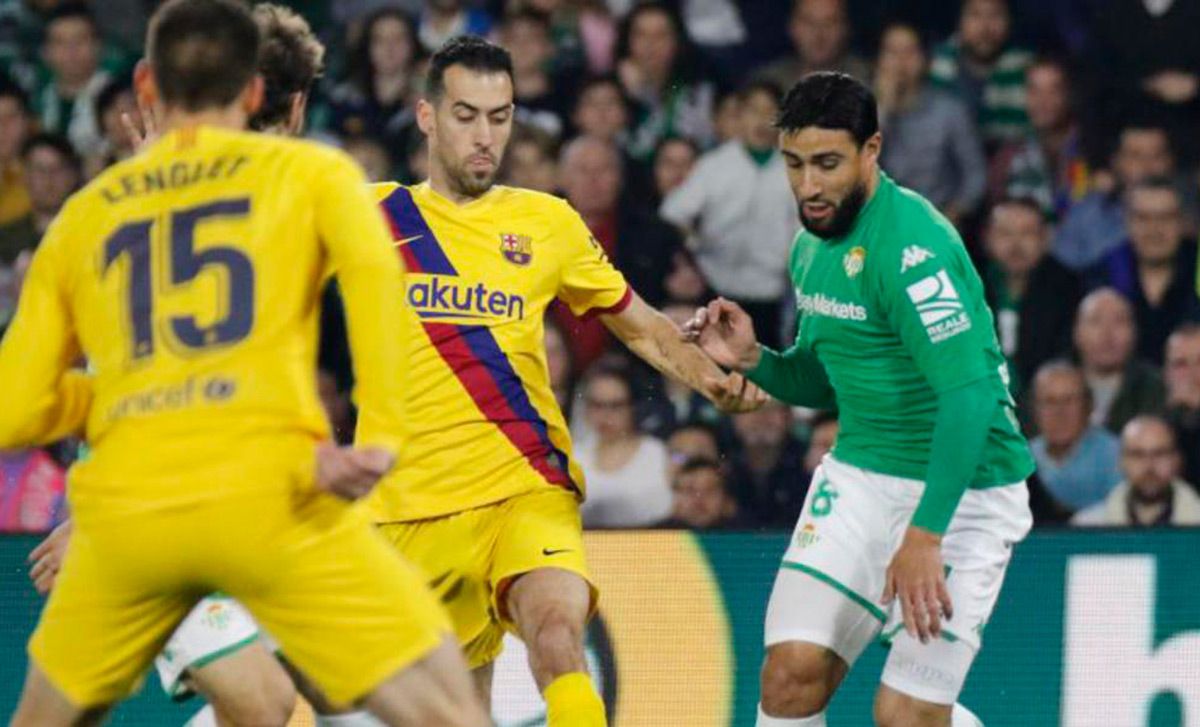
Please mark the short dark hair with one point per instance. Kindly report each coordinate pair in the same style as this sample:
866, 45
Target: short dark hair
56, 143
696, 464
9, 89
203, 52
73, 11
470, 52
290, 61
830, 100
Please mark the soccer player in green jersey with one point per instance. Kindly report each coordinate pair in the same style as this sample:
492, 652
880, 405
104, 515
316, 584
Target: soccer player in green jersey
923, 496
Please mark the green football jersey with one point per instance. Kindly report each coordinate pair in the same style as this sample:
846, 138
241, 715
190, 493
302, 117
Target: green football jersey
895, 313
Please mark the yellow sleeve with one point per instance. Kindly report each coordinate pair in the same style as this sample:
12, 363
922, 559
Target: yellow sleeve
352, 229
590, 284
43, 400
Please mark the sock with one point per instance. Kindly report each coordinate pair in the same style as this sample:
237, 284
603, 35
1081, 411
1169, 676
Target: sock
813, 720
206, 717
349, 719
572, 701
960, 716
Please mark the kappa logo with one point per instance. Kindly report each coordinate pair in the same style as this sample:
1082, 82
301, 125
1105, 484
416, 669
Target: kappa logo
939, 306
913, 256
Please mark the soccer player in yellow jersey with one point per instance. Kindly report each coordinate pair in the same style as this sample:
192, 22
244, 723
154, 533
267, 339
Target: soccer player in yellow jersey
188, 276
486, 494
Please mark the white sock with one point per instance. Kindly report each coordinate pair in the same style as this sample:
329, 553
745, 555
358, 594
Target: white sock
349, 719
815, 720
960, 716
206, 717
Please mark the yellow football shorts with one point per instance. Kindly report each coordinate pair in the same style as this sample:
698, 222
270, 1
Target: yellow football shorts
472, 557
345, 608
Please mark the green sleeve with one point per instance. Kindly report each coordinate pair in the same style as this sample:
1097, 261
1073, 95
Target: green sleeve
795, 377
960, 433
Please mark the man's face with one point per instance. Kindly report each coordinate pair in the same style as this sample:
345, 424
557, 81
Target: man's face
691, 443
672, 165
391, 47
528, 43
818, 30
765, 427
1016, 238
468, 127
530, 168
1060, 407
1046, 98
1155, 224
14, 128
608, 405
1182, 369
50, 179
1104, 332
1141, 154
652, 42
901, 58
699, 498
828, 174
601, 112
590, 175
1149, 459
759, 112
983, 28
72, 49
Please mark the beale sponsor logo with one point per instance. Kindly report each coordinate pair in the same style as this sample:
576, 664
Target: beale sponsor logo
822, 305
438, 296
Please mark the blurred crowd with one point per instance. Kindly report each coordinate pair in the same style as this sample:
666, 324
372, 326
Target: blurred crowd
1059, 136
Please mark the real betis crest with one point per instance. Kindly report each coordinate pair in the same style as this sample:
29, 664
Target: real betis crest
853, 261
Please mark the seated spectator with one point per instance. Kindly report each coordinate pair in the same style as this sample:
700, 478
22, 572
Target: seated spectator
445, 19
692, 441
820, 34
531, 160
1096, 224
1183, 395
673, 162
1120, 384
1076, 461
823, 430
740, 214
67, 102
52, 172
1151, 493
767, 469
1032, 295
112, 103
659, 71
16, 124
1049, 164
987, 73
372, 156
1155, 269
932, 146
602, 110
700, 499
537, 88
626, 470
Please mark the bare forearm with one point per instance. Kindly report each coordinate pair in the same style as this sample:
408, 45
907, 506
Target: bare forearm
684, 362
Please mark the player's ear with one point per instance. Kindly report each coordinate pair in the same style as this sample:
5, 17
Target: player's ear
425, 116
871, 148
252, 95
144, 86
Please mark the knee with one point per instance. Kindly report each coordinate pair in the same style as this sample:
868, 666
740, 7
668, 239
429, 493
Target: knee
553, 631
268, 702
894, 709
797, 682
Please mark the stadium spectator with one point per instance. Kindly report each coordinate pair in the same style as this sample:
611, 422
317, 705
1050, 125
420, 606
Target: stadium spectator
377, 97
1076, 461
1155, 268
372, 156
1049, 164
538, 88
584, 33
66, 103
52, 172
442, 20
700, 499
1183, 395
727, 115
932, 146
658, 70
820, 34
114, 101
767, 468
673, 162
531, 160
739, 214
692, 441
602, 110
985, 71
1032, 295
16, 124
1151, 493
626, 470
822, 433
1096, 224
1121, 385
641, 245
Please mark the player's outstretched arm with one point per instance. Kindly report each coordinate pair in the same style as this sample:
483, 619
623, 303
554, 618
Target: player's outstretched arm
654, 338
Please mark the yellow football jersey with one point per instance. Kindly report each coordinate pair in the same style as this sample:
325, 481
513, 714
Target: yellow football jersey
482, 423
189, 277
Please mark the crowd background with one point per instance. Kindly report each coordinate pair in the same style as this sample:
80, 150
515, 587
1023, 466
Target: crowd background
1061, 137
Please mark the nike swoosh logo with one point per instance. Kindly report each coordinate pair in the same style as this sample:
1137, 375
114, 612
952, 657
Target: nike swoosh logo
548, 551
407, 240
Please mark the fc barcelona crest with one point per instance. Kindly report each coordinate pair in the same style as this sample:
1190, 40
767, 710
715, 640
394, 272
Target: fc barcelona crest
517, 249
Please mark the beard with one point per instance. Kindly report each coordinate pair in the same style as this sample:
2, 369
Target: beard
844, 216
465, 182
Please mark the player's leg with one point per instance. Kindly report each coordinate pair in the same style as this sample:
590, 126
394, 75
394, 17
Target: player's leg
543, 592
482, 677
42, 704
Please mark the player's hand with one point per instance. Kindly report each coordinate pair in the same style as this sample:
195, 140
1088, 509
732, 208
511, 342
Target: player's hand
725, 333
915, 576
47, 557
350, 472
735, 393
141, 136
